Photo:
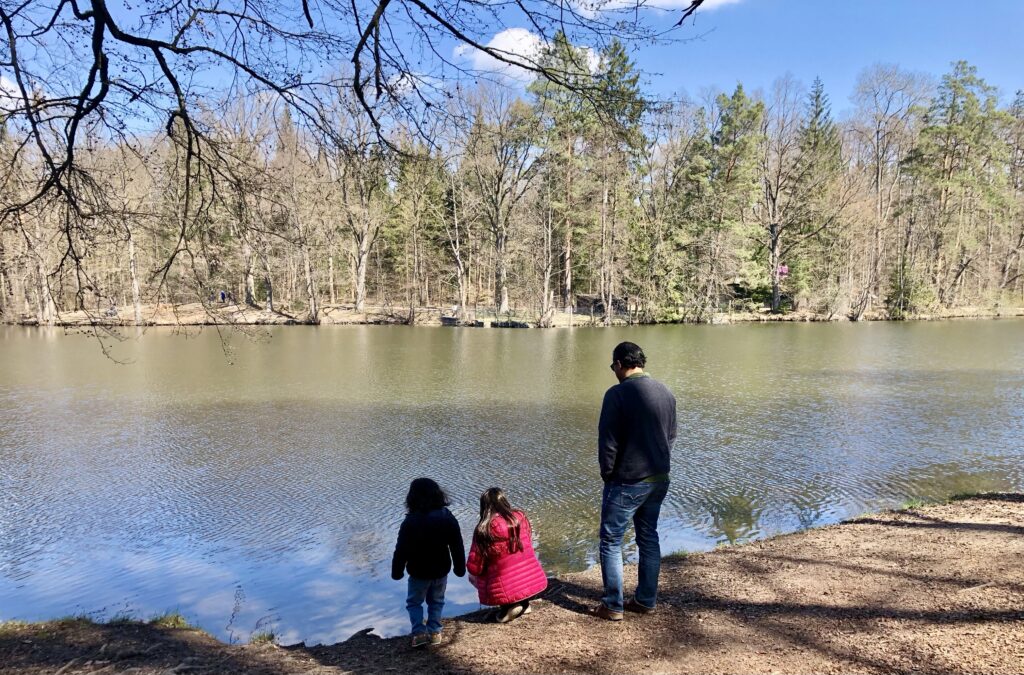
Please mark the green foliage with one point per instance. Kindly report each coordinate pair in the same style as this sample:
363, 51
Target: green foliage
954, 163
121, 619
820, 143
719, 185
263, 638
170, 620
733, 177
74, 618
909, 294
914, 201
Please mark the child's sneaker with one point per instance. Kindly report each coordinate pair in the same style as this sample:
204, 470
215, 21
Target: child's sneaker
420, 640
435, 638
513, 612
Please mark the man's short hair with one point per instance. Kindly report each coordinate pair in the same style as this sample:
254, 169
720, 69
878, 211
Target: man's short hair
629, 355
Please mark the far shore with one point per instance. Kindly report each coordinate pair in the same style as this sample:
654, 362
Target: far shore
927, 589
229, 314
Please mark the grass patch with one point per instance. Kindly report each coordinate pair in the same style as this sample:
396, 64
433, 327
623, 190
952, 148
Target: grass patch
72, 618
917, 503
263, 638
121, 620
170, 620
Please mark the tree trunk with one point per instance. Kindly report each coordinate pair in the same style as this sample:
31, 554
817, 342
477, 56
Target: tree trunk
774, 257
269, 283
1014, 254
330, 277
547, 294
6, 292
249, 281
603, 291
501, 279
45, 310
133, 272
311, 299
567, 261
361, 259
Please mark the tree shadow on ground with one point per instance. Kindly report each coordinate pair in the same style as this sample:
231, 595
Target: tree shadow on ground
81, 646
689, 621
365, 653
941, 524
744, 609
795, 623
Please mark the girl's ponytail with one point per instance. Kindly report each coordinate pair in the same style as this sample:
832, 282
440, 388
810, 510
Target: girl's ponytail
493, 502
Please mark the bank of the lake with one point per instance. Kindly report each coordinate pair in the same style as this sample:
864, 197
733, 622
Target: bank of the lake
229, 314
935, 589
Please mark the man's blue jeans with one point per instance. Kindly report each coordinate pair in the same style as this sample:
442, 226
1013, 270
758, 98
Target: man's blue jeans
432, 591
642, 503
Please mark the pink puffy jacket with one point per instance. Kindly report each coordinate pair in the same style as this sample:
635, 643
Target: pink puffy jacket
503, 578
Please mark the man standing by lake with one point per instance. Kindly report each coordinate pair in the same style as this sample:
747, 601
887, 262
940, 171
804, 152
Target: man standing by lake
635, 437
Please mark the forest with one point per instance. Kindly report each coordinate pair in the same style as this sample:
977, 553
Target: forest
529, 201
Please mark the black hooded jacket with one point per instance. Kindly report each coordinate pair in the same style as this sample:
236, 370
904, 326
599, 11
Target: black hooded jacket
428, 545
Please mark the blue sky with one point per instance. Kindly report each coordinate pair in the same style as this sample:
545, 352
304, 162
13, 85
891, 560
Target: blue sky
756, 41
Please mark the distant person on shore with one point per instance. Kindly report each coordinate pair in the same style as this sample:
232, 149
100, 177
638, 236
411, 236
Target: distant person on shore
502, 564
635, 437
429, 544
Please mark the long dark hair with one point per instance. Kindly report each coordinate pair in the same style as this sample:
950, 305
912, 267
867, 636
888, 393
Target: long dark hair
425, 496
493, 502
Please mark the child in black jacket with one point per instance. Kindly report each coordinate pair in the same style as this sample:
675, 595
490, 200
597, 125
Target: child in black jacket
429, 542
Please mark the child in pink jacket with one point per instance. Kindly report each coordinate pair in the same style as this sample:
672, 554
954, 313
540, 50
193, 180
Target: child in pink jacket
502, 564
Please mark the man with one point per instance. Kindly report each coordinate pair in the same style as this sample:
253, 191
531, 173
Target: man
635, 436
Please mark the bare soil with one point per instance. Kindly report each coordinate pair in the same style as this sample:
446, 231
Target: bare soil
938, 589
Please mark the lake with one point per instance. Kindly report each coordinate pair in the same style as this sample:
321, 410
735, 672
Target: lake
254, 480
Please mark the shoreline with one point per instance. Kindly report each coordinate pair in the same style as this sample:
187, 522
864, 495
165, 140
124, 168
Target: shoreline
937, 588
197, 314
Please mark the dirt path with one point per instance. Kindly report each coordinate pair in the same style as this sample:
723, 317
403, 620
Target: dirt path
932, 590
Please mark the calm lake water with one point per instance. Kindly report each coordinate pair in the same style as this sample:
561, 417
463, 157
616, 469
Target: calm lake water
258, 485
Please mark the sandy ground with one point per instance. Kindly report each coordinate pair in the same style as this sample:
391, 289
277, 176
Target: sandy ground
198, 314
933, 590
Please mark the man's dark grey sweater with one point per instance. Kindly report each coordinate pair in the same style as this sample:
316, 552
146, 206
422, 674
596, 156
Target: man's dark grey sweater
637, 430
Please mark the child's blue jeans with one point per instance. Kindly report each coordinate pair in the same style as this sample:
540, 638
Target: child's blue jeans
431, 590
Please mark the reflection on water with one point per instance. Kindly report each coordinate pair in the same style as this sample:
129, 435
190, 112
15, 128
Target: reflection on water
734, 517
266, 491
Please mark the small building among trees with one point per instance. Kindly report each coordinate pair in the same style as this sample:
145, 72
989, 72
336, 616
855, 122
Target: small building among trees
594, 305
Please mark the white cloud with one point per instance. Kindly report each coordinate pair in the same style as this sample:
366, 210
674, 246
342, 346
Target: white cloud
523, 46
518, 45
10, 97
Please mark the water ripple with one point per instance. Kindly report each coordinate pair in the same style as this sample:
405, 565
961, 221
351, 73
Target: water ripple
271, 490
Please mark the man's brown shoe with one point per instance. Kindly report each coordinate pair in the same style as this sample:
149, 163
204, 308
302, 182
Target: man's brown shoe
634, 606
602, 612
